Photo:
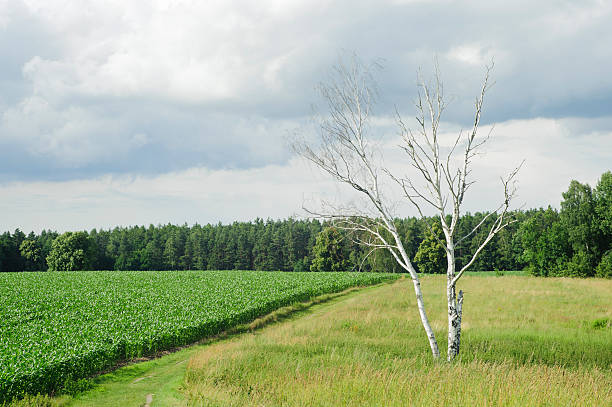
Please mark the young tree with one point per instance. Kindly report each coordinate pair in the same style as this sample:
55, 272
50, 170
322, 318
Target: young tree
348, 153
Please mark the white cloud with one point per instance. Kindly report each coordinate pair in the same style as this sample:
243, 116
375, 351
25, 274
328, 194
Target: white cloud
4, 13
183, 50
574, 18
145, 87
193, 195
555, 152
553, 157
471, 54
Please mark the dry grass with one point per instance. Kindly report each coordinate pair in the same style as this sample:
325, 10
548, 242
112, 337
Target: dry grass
526, 341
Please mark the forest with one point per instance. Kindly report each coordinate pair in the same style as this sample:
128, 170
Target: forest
573, 241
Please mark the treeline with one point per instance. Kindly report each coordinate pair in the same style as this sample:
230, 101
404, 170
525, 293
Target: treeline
575, 241
286, 245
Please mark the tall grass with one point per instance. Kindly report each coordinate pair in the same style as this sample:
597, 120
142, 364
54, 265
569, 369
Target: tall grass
526, 341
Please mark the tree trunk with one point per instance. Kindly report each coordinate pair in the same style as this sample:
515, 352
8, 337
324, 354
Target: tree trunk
455, 304
433, 344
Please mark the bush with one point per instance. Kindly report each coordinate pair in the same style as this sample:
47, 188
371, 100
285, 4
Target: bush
580, 265
600, 323
604, 269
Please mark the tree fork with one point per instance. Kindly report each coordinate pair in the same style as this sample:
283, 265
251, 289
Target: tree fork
347, 154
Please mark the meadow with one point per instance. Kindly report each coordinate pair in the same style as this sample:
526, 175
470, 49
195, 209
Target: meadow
57, 328
526, 342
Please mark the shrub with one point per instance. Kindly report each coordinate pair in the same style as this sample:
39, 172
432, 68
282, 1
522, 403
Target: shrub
604, 269
580, 265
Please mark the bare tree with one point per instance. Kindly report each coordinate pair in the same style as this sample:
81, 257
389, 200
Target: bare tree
348, 152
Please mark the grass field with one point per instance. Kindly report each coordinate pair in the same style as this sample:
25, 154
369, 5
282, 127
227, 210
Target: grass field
58, 328
526, 342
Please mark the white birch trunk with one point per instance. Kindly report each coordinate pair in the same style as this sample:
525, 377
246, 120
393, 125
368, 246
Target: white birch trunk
348, 157
455, 305
433, 344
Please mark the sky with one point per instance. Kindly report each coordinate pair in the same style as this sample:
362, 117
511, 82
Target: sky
116, 113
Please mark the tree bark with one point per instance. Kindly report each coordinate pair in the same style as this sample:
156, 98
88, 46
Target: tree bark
433, 344
455, 304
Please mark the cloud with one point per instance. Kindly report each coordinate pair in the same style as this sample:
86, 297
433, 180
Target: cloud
192, 195
203, 195
182, 51
47, 132
83, 141
142, 89
471, 54
554, 151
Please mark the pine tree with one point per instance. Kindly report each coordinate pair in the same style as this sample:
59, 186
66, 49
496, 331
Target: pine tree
431, 257
329, 252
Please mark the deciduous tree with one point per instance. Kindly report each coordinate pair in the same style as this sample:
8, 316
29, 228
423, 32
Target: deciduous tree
348, 152
32, 253
71, 251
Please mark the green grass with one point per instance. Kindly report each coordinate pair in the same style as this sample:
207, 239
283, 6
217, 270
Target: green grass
497, 273
526, 341
58, 328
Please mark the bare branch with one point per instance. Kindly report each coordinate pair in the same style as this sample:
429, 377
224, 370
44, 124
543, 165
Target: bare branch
500, 223
347, 154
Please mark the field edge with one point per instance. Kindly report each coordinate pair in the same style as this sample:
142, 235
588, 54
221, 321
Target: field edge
128, 373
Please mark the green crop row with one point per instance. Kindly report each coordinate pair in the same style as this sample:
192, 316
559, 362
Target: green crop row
57, 327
